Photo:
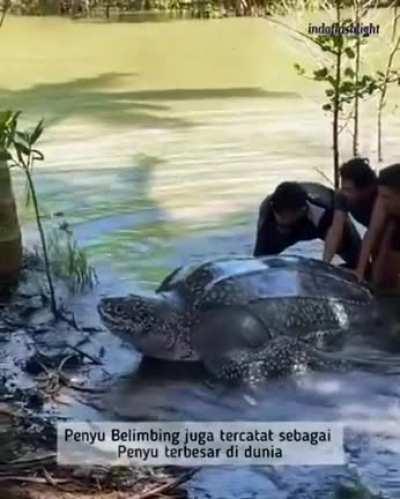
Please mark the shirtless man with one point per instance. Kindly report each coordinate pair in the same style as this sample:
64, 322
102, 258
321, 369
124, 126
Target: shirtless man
381, 242
357, 196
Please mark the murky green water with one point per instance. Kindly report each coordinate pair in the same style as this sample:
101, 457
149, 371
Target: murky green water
163, 138
161, 141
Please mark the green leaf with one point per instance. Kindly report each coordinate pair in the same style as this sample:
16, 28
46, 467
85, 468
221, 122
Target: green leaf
300, 70
22, 136
39, 156
346, 87
327, 107
22, 148
331, 80
12, 129
5, 117
349, 52
320, 74
5, 155
349, 72
37, 132
329, 92
338, 41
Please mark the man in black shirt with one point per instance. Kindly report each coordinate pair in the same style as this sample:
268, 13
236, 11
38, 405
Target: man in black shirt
301, 212
359, 190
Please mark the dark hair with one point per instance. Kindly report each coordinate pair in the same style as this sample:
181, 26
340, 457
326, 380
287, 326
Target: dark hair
288, 196
390, 177
359, 171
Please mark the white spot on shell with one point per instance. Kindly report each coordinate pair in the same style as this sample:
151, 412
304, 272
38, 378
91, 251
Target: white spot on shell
340, 313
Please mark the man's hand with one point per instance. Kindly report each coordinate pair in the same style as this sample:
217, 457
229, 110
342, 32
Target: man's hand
359, 275
356, 273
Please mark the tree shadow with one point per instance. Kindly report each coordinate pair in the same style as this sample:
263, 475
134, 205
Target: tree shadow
111, 210
94, 98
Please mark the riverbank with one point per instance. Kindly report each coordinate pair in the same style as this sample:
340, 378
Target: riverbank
43, 363
159, 10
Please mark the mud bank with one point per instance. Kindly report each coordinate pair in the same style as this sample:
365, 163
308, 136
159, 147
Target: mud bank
45, 365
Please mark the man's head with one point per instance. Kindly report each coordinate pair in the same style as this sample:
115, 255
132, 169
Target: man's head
289, 204
358, 180
389, 188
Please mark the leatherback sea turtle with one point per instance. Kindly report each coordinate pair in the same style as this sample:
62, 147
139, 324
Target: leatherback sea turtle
245, 318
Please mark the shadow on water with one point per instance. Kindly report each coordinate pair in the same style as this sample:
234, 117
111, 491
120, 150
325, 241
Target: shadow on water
94, 98
83, 97
136, 207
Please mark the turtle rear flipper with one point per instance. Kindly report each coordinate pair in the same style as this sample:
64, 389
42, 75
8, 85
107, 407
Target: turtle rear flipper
279, 357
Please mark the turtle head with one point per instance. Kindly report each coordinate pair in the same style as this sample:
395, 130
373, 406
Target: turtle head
152, 324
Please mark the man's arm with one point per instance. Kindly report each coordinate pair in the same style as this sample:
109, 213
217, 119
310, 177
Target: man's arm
371, 237
334, 236
262, 222
261, 245
268, 240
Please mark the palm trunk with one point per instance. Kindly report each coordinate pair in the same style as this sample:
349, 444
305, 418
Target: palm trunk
10, 232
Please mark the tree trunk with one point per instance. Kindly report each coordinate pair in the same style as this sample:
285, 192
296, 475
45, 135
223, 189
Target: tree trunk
379, 135
10, 232
357, 79
336, 103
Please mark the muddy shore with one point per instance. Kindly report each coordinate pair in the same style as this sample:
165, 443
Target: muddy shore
45, 365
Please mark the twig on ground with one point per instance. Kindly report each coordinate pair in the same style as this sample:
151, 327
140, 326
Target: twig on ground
29, 463
165, 487
52, 481
95, 360
32, 479
69, 384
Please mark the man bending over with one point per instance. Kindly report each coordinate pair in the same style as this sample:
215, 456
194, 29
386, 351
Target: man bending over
301, 212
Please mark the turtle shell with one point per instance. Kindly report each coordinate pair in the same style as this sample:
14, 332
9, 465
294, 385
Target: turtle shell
244, 280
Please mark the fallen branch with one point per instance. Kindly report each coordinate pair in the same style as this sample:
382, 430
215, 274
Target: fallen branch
165, 487
29, 463
95, 360
69, 384
50, 480
33, 479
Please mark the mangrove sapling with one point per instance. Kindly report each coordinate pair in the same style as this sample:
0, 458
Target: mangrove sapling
22, 154
336, 84
384, 78
68, 260
339, 57
361, 10
344, 84
356, 114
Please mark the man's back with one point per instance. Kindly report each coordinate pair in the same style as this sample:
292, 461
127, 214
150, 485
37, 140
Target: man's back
313, 223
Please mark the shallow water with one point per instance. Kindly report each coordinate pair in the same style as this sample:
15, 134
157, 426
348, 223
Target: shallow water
159, 154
